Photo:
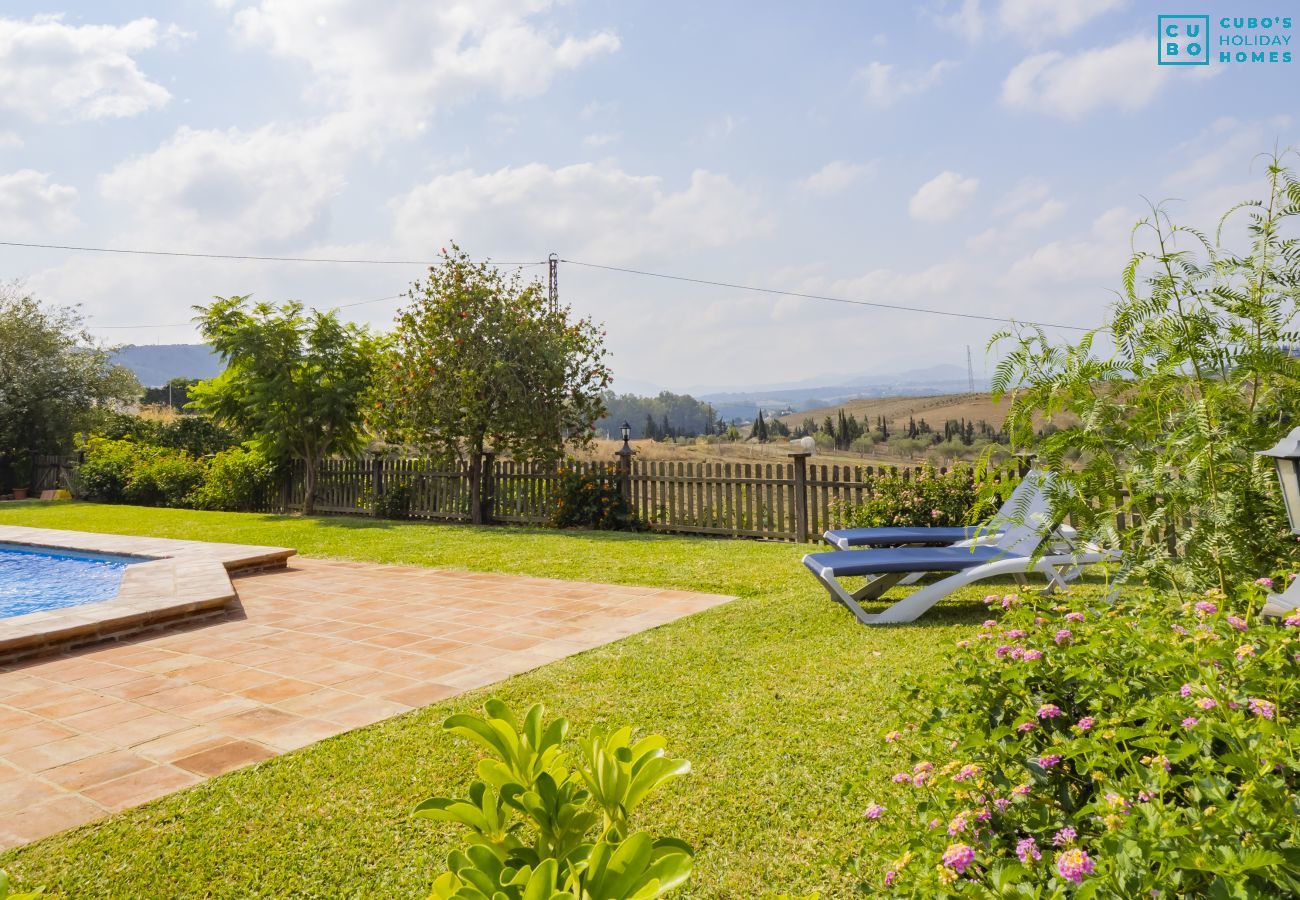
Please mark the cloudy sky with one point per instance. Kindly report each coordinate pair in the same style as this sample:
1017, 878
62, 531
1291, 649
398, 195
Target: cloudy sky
962, 156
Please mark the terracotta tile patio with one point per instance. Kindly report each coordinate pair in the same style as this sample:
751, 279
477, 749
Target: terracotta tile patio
306, 653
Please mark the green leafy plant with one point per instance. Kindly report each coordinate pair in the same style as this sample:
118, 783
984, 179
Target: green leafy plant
924, 498
591, 499
545, 824
1132, 749
294, 382
8, 893
484, 359
1159, 414
236, 479
394, 502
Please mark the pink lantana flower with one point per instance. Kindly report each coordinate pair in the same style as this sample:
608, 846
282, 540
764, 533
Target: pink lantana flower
874, 811
1074, 865
1049, 711
958, 857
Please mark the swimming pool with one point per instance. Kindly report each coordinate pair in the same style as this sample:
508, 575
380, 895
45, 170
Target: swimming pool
33, 579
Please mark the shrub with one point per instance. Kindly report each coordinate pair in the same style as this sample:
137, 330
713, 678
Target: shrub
592, 499
194, 433
106, 468
394, 502
236, 479
162, 477
1130, 750
1166, 406
543, 827
918, 499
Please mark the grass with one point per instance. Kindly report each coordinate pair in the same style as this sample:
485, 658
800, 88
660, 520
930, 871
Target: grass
778, 699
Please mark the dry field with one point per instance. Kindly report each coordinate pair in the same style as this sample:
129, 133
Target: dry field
935, 410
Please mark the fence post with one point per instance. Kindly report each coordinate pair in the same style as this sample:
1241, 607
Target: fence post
625, 474
799, 502
487, 487
376, 484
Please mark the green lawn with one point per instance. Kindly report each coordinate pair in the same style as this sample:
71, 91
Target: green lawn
778, 699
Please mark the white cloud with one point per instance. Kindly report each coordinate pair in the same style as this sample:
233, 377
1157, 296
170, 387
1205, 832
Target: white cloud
942, 197
50, 70
10, 140
409, 58
1122, 75
593, 210
885, 85
31, 204
600, 139
234, 188
1035, 20
965, 20
1025, 192
1044, 214
837, 176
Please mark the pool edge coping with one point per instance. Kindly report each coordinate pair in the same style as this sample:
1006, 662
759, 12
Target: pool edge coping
181, 579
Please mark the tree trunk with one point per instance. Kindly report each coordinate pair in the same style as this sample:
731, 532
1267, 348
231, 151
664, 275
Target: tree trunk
310, 466
476, 487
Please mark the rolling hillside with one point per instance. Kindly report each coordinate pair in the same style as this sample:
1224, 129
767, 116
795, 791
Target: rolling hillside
934, 409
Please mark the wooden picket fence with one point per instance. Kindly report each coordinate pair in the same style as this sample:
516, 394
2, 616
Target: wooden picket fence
788, 501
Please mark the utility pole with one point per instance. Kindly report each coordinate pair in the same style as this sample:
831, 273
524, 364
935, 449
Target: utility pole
554, 261
970, 370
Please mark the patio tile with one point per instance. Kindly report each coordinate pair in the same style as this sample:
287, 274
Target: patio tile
224, 758
140, 787
60, 813
95, 770
320, 648
57, 753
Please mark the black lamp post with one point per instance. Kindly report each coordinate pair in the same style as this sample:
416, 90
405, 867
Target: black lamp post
625, 463
1286, 454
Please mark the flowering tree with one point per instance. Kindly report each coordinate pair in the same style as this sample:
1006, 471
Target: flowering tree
295, 382
482, 360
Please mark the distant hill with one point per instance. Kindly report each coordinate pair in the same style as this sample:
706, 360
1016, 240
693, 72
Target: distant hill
156, 364
835, 390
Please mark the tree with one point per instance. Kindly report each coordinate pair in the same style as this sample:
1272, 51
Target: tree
54, 380
175, 394
1158, 423
295, 382
760, 429
481, 359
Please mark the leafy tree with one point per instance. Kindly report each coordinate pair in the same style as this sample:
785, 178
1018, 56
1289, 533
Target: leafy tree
54, 381
174, 394
294, 382
1163, 413
482, 360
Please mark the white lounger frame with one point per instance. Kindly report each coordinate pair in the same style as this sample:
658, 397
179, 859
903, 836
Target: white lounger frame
1027, 523
1057, 569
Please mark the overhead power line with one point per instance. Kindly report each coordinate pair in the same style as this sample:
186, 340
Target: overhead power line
182, 324
236, 256
783, 293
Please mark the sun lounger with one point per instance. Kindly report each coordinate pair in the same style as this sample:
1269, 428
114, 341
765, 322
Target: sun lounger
849, 538
1011, 552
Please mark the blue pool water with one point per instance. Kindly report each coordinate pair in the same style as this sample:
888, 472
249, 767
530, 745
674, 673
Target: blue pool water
39, 578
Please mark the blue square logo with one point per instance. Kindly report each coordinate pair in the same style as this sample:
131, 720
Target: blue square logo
1183, 40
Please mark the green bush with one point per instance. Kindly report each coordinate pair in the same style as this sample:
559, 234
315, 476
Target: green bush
1143, 748
924, 498
592, 499
195, 433
548, 824
163, 477
106, 468
126, 471
394, 502
237, 479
